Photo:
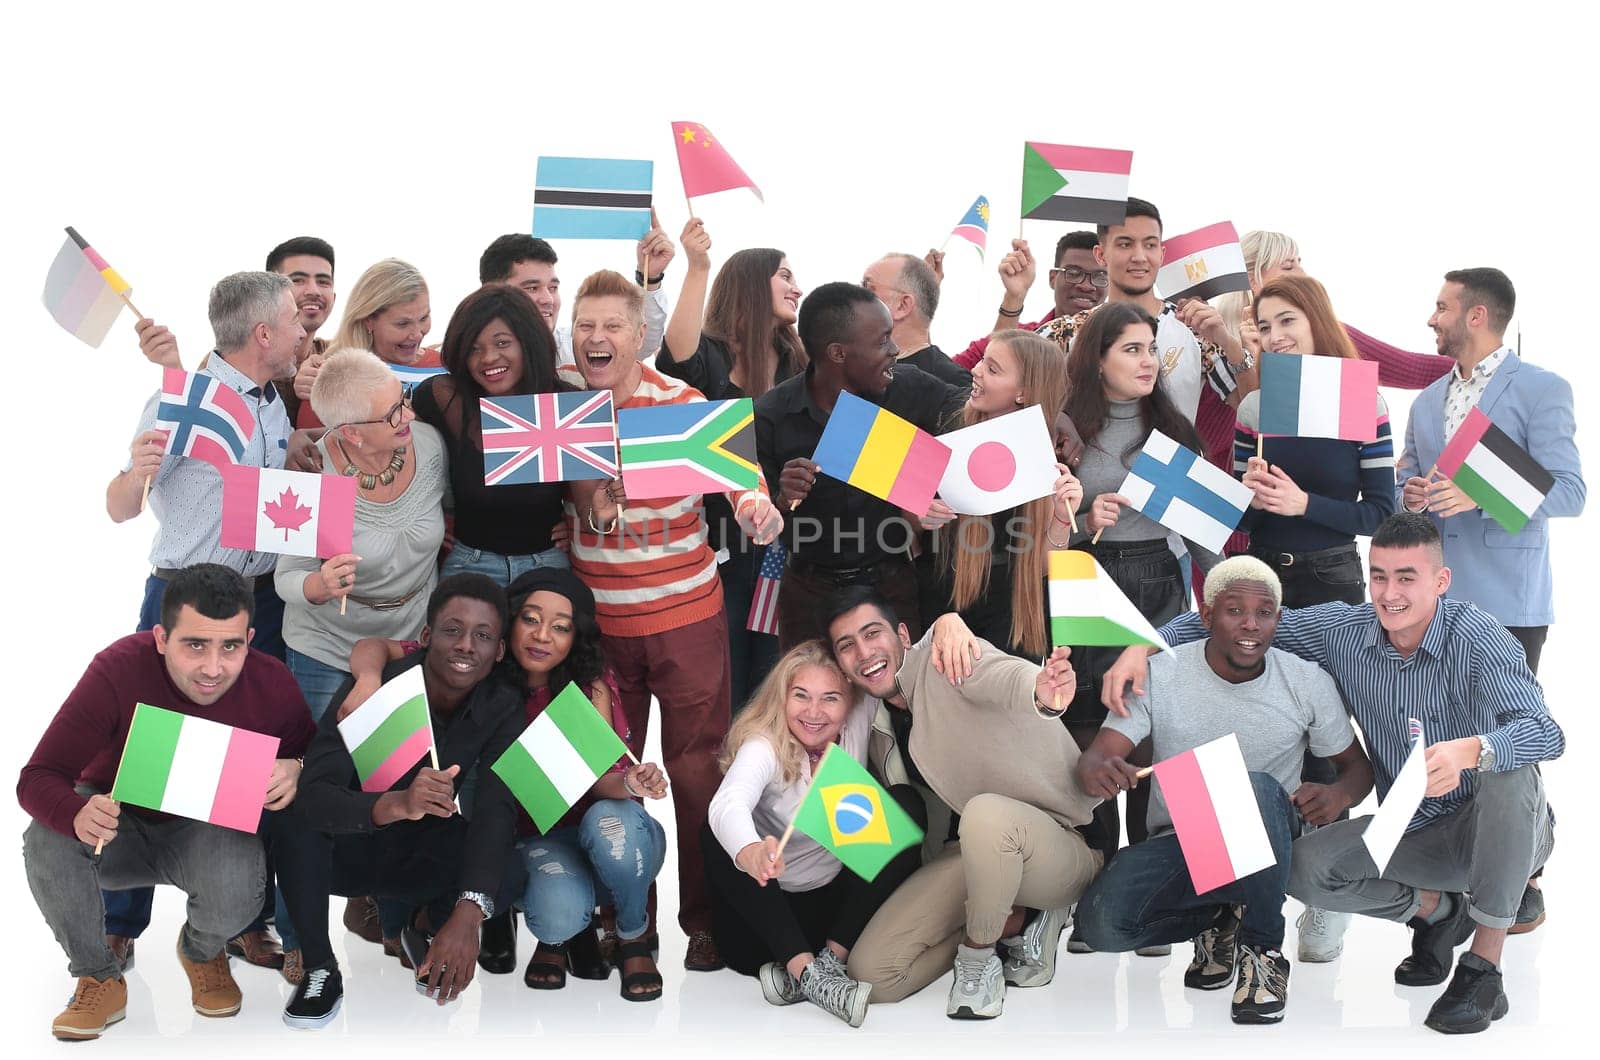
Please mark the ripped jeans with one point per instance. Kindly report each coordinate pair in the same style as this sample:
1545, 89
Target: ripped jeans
611, 856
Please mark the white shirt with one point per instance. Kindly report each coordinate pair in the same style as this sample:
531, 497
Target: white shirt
1463, 395
655, 326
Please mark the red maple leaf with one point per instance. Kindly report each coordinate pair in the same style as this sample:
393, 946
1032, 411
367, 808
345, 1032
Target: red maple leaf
287, 513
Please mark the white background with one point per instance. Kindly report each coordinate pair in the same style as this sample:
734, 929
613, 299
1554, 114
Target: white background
1394, 141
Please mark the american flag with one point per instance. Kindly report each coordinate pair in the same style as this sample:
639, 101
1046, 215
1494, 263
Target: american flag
536, 438
764, 607
204, 418
1415, 728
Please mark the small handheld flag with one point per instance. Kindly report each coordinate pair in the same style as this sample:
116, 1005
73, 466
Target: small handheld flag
999, 463
548, 438
852, 817
878, 452
1061, 183
681, 450
203, 418
559, 756
1319, 397
764, 604
1388, 826
390, 732
292, 513
592, 198
974, 225
196, 768
1087, 608
1203, 263
1497, 473
1178, 489
84, 293
410, 375
704, 164
1213, 808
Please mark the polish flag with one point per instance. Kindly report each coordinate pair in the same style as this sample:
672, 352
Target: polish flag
999, 463
1213, 808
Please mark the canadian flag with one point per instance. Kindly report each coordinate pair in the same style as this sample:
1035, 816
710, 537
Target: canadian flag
999, 463
289, 512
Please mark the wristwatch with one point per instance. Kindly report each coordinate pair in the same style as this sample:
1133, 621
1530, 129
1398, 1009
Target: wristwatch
1485, 755
479, 899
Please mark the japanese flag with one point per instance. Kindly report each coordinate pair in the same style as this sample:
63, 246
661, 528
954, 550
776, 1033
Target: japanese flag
999, 463
289, 512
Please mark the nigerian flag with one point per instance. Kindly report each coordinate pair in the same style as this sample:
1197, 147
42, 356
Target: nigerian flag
858, 822
559, 756
1497, 473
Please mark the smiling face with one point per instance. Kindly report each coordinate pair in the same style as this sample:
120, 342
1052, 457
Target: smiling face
1449, 322
868, 649
541, 635
1075, 296
312, 278
1129, 369
539, 279
397, 331
1283, 327
606, 340
869, 351
495, 360
1242, 622
1405, 585
815, 709
285, 336
996, 382
381, 435
463, 643
785, 294
1131, 253
204, 656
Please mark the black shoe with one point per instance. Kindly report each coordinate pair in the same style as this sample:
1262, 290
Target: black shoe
1433, 947
1263, 989
415, 943
1475, 998
1530, 911
497, 948
316, 999
584, 959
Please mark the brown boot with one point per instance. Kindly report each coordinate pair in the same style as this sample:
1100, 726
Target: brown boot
260, 948
361, 917
122, 950
392, 948
96, 1004
211, 987
702, 955
294, 967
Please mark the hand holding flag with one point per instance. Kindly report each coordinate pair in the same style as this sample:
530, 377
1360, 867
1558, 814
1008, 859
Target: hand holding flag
850, 815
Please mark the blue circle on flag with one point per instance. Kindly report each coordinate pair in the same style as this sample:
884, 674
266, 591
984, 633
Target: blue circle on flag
852, 813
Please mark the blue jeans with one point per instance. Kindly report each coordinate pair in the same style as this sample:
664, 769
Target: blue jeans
611, 856
1145, 897
503, 569
317, 680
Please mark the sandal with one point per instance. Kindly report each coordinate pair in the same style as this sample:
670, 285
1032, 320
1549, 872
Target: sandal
546, 974
636, 949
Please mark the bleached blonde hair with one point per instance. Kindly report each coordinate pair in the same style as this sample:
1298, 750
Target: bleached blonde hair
766, 716
342, 392
1238, 569
1266, 250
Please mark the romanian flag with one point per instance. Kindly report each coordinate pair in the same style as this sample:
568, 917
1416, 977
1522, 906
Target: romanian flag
1203, 263
1319, 397
1213, 808
1061, 183
681, 450
1087, 608
1497, 473
559, 756
82, 292
196, 768
852, 817
704, 164
388, 733
974, 226
878, 452
592, 198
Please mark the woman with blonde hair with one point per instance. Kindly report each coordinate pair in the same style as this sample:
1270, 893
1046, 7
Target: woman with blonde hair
794, 937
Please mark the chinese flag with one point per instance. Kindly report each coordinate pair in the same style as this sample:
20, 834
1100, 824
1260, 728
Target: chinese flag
705, 164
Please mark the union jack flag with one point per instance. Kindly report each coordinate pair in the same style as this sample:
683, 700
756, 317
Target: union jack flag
204, 418
533, 438
764, 605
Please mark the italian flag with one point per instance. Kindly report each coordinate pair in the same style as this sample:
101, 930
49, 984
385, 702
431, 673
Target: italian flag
1087, 608
1213, 808
1497, 473
1061, 183
390, 732
193, 767
559, 756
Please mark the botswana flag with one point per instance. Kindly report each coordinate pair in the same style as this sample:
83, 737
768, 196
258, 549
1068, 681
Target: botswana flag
592, 198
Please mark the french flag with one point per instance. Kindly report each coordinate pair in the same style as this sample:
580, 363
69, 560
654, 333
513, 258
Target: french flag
1213, 809
1306, 396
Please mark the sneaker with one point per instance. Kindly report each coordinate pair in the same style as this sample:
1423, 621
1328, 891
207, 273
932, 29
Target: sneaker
1475, 998
826, 986
96, 1004
122, 950
1433, 946
1215, 951
1263, 988
414, 946
294, 967
778, 986
392, 948
260, 948
316, 1000
1031, 959
1162, 950
979, 990
1321, 934
212, 990
1530, 912
361, 917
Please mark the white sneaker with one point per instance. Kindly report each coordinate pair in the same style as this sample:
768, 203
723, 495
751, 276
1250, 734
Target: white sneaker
979, 991
826, 986
1321, 935
1031, 959
778, 986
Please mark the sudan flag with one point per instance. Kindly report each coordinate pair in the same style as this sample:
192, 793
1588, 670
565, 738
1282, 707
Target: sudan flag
1062, 183
1497, 473
681, 450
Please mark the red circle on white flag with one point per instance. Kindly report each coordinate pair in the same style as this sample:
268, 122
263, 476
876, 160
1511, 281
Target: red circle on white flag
992, 466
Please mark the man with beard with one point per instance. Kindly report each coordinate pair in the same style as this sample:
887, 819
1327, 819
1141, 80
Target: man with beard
308, 262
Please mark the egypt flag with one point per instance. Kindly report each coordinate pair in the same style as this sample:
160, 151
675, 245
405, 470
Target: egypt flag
1319, 397
390, 732
850, 815
196, 768
82, 292
878, 452
559, 756
1061, 183
681, 450
1178, 489
999, 463
1497, 473
203, 418
1202, 264
292, 513
1087, 608
1213, 809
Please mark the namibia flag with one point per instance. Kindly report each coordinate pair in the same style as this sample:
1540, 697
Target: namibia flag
681, 450
847, 812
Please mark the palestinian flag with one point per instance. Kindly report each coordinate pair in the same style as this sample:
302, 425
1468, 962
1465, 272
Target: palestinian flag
681, 450
196, 768
559, 756
1497, 473
1062, 183
1202, 264
1087, 608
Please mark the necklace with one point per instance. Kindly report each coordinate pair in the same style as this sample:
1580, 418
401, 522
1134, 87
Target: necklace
382, 478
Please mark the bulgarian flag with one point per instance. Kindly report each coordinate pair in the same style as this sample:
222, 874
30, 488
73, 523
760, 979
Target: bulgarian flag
1203, 263
388, 733
1061, 183
559, 756
293, 513
850, 815
876, 451
1087, 608
1319, 397
194, 767
1497, 473
1213, 808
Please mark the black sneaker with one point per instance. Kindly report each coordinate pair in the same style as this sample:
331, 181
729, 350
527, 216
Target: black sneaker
316, 999
1475, 998
1212, 966
1433, 946
1530, 911
1263, 988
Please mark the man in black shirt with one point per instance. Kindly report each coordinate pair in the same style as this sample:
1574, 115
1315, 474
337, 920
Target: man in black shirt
909, 288
839, 535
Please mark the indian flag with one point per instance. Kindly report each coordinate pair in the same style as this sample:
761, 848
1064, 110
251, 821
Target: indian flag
559, 756
1087, 608
1213, 808
1319, 397
193, 767
388, 733
1061, 183
1497, 473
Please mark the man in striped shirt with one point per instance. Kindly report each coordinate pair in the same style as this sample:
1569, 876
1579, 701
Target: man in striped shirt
1484, 826
657, 595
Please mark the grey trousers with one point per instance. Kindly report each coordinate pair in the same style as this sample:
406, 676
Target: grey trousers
221, 870
1486, 849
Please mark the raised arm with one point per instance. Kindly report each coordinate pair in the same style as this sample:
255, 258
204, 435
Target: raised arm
683, 331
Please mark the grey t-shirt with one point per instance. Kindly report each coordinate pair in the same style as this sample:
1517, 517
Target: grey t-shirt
1292, 705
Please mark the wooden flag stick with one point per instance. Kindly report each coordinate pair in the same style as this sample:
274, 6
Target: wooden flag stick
1145, 772
433, 757
1260, 443
129, 303
946, 243
144, 497
1072, 521
341, 606
1095, 540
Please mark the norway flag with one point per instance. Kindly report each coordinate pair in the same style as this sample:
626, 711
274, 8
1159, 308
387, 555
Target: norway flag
203, 418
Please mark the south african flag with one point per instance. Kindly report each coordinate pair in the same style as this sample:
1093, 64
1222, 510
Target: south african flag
681, 450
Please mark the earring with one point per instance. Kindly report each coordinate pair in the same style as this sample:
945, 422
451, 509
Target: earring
1019, 399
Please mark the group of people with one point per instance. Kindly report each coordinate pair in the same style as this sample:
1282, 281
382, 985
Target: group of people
917, 643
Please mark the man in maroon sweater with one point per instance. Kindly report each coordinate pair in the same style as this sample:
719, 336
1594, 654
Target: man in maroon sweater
198, 662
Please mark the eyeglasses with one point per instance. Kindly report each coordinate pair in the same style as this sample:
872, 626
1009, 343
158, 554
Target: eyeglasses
392, 417
1075, 276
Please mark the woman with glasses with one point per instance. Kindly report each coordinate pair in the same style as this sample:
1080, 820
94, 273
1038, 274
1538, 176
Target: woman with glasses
380, 588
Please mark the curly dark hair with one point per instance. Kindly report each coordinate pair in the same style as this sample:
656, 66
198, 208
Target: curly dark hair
584, 664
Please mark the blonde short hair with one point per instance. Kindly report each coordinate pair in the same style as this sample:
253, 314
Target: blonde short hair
389, 282
609, 284
1238, 569
342, 392
1266, 250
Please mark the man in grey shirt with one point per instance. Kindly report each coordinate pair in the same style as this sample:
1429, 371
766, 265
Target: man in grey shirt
1276, 705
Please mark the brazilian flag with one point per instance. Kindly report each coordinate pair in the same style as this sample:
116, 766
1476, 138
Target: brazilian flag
853, 817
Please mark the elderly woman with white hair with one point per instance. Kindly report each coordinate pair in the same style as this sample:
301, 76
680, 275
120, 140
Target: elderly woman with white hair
384, 582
